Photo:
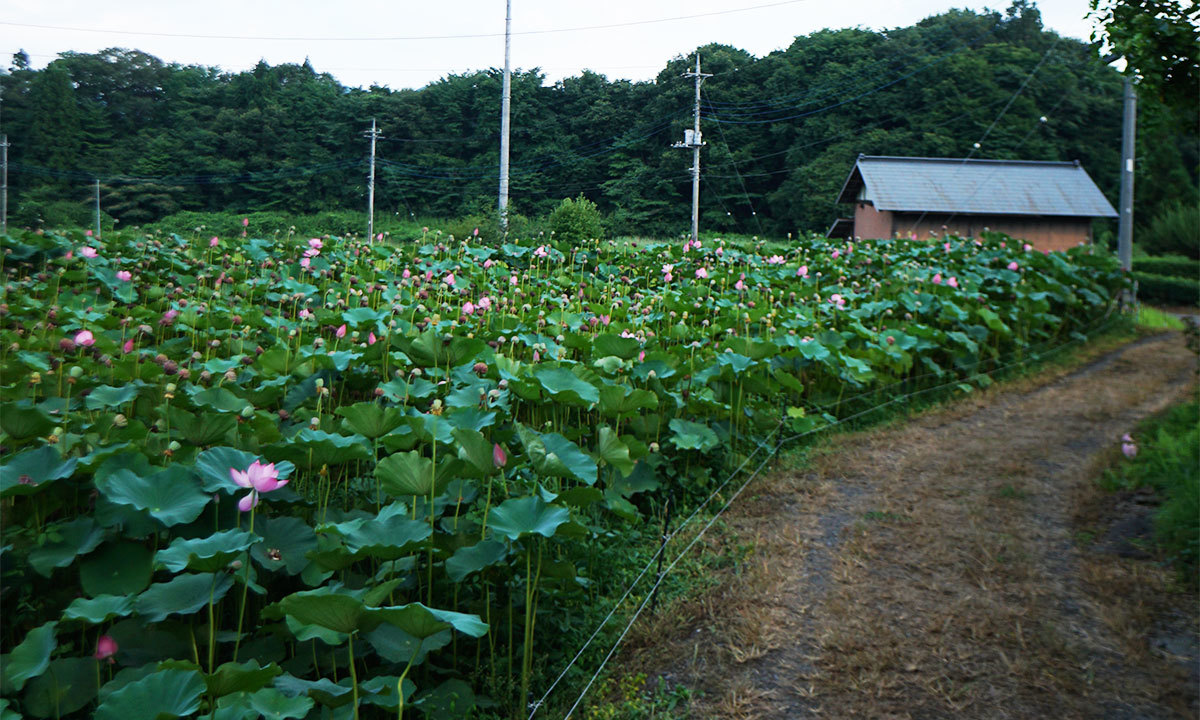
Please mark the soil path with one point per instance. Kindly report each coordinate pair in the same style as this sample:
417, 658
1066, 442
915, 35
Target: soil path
942, 568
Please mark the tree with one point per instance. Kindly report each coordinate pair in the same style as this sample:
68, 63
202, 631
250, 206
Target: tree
1159, 40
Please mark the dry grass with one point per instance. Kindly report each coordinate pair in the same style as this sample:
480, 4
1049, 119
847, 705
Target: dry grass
930, 569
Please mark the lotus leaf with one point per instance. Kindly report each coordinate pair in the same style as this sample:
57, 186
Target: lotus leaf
31, 657
27, 472
171, 496
518, 517
117, 568
99, 609
67, 685
22, 422
170, 693
181, 595
473, 558
688, 435
63, 543
207, 554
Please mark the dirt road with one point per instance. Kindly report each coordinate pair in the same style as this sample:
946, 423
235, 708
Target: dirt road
959, 564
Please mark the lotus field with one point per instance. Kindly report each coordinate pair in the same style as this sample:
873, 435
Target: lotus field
292, 477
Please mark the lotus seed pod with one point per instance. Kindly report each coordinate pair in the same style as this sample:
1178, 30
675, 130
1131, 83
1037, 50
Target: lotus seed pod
170, 387
247, 412
76, 372
174, 446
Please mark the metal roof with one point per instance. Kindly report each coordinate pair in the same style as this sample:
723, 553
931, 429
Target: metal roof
985, 187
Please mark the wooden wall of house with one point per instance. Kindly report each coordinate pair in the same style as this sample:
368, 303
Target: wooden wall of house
871, 223
1044, 233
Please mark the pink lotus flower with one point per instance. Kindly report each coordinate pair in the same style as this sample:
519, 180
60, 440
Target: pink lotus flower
106, 647
837, 300
836, 254
701, 273
70, 254
1003, 244
720, 252
214, 241
88, 252
952, 282
88, 233
512, 280
739, 285
341, 331
668, 277
488, 264
476, 233
245, 222
170, 315
1028, 247
536, 356
1013, 265
605, 320
406, 274
305, 262
499, 457
485, 303
449, 279
802, 272
379, 236
468, 308
258, 478
304, 313
642, 356
124, 275
316, 244
1130, 450
775, 260
937, 279
371, 339
946, 247
128, 346
541, 252
85, 338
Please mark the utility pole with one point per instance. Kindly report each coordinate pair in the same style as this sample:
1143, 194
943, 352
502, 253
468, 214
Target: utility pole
373, 133
3, 175
1128, 136
3, 184
97, 187
505, 101
692, 139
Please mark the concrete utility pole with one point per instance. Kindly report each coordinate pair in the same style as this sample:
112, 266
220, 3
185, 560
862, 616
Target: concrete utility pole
97, 188
692, 139
505, 101
3, 185
373, 133
1128, 138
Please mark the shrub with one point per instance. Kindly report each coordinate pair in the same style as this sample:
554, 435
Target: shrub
575, 221
1174, 230
1161, 288
1175, 266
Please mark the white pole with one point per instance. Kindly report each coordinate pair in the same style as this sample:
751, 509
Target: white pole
505, 102
371, 188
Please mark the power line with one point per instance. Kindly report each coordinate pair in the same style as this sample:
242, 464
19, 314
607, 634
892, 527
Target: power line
403, 38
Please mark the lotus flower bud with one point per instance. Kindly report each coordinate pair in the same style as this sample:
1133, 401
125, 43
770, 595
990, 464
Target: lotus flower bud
120, 420
248, 412
174, 446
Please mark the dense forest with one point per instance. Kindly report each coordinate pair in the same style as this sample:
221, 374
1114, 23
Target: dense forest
782, 131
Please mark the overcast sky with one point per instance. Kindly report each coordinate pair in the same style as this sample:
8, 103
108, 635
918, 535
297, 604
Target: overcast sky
404, 44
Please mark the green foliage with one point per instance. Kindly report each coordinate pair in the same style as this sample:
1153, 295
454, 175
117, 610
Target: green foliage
1175, 266
1168, 460
1163, 289
1175, 230
576, 221
284, 141
1159, 39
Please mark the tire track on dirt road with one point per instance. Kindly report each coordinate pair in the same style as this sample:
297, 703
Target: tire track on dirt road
931, 569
